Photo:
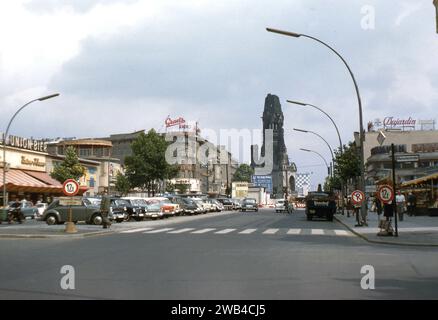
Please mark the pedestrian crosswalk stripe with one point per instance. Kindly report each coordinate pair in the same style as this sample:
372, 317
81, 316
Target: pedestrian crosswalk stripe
294, 231
159, 230
204, 230
182, 230
317, 231
342, 233
247, 231
136, 230
271, 231
225, 231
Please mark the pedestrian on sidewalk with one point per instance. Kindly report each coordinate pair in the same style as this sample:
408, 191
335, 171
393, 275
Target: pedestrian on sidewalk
104, 211
400, 201
412, 204
378, 206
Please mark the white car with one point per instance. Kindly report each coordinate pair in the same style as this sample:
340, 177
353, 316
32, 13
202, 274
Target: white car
279, 206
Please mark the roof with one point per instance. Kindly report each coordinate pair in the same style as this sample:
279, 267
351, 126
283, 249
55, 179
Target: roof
420, 180
86, 142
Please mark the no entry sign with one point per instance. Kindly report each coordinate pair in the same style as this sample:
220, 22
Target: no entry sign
70, 187
357, 197
385, 193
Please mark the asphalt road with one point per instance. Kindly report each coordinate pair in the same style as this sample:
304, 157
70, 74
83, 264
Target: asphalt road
264, 255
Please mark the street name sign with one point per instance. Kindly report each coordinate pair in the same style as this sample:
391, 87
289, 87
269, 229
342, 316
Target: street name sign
408, 158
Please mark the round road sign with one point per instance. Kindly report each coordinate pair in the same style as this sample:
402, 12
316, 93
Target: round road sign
357, 197
385, 193
70, 187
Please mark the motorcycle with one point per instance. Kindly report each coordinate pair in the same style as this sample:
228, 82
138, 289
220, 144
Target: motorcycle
15, 214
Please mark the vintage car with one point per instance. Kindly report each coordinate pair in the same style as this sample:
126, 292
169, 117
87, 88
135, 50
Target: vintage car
321, 205
167, 207
26, 208
150, 210
249, 204
226, 203
57, 213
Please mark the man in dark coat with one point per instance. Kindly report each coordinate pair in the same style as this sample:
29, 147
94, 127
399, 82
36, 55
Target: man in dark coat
104, 211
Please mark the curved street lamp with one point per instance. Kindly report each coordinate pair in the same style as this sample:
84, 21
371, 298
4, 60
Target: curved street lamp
4, 143
331, 119
328, 145
361, 131
325, 161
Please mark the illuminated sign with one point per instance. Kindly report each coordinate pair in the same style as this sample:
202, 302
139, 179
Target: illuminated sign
393, 122
176, 122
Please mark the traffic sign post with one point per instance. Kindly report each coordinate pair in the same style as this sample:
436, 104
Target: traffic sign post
70, 188
393, 187
357, 199
385, 193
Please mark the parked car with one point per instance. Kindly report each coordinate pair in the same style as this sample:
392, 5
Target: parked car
249, 204
154, 210
27, 209
118, 213
236, 204
188, 206
227, 203
178, 209
215, 205
133, 211
167, 207
58, 214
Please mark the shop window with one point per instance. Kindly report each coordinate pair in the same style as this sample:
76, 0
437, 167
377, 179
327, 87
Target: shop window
91, 182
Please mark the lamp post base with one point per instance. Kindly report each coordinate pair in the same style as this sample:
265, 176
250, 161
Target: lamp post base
70, 227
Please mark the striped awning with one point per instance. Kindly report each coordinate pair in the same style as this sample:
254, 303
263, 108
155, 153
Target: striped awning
19, 180
420, 180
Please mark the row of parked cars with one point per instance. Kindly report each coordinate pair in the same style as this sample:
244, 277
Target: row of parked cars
134, 208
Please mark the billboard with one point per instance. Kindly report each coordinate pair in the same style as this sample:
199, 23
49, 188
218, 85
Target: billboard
262, 181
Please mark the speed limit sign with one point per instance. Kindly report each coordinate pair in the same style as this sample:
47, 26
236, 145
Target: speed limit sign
357, 197
385, 193
70, 187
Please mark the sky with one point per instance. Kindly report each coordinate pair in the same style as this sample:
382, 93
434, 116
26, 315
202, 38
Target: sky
122, 66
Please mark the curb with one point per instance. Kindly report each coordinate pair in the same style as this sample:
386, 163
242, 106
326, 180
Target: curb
410, 244
56, 236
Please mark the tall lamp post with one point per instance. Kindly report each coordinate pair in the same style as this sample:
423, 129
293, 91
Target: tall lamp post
325, 161
328, 145
5, 203
361, 131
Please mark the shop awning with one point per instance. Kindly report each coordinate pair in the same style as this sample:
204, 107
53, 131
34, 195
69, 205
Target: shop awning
420, 180
19, 181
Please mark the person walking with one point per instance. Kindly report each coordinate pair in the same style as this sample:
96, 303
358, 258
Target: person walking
378, 206
400, 201
411, 204
104, 211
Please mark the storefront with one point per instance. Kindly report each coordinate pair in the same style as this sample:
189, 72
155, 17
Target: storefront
26, 176
425, 190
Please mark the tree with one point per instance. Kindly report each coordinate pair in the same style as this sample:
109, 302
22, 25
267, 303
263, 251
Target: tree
182, 187
122, 184
70, 168
243, 173
148, 164
347, 165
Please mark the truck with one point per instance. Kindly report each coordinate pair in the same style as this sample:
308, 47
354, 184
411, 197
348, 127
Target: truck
321, 205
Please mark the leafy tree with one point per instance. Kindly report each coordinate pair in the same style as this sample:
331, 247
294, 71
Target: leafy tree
347, 165
70, 168
148, 164
243, 173
170, 187
122, 184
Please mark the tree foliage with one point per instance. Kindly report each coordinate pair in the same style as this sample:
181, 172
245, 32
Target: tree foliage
70, 168
243, 173
148, 164
347, 165
122, 184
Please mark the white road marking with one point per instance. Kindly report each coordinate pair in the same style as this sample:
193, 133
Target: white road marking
225, 231
136, 230
317, 231
271, 231
204, 230
159, 230
294, 231
342, 233
182, 230
247, 231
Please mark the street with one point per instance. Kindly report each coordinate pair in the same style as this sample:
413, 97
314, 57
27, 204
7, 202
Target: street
250, 255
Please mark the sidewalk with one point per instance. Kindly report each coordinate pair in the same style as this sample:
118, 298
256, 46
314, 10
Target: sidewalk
412, 231
40, 230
